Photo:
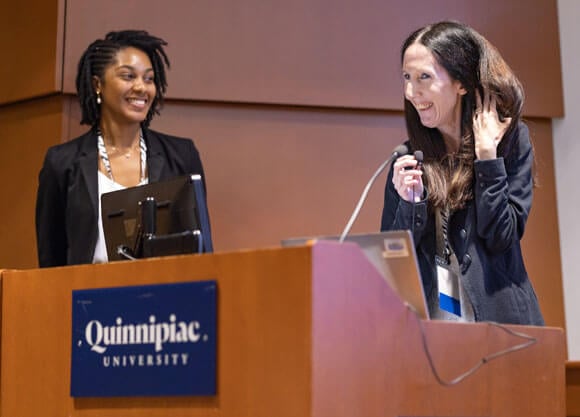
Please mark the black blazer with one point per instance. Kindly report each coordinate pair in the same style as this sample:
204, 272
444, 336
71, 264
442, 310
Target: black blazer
67, 200
485, 236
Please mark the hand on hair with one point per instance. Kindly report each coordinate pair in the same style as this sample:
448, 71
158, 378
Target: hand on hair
407, 178
488, 129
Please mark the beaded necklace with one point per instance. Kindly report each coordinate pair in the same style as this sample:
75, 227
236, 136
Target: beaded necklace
107, 163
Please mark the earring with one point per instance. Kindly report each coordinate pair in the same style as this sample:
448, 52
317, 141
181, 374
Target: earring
98, 98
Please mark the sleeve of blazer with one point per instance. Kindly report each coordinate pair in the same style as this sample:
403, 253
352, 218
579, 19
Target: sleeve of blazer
503, 193
185, 159
50, 211
195, 161
181, 156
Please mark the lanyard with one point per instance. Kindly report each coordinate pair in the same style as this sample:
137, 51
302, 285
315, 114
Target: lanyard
441, 226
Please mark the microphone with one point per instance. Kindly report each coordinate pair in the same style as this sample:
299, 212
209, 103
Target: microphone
419, 158
398, 151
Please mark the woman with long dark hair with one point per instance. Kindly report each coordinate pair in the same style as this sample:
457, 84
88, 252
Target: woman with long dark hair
468, 201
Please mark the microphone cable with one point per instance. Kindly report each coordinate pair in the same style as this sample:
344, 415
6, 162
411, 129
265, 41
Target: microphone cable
529, 341
419, 157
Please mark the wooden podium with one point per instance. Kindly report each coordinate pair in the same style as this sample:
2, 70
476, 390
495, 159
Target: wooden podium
303, 331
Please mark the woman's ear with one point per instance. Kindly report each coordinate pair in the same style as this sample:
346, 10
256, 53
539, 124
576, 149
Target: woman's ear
96, 84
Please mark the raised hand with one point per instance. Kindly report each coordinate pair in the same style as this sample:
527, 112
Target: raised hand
488, 129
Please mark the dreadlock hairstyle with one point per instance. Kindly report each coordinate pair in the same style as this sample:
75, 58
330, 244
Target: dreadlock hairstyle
102, 53
470, 59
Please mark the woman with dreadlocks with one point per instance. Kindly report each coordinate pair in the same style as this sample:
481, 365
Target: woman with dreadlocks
120, 83
468, 202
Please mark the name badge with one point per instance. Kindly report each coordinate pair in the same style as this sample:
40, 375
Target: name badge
448, 283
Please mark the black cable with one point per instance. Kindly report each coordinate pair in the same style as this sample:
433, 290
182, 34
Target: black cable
124, 252
484, 360
419, 157
413, 212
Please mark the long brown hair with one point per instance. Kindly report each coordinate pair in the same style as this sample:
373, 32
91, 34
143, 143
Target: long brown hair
470, 59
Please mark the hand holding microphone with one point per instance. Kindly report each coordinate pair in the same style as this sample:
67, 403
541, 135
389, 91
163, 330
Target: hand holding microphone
407, 176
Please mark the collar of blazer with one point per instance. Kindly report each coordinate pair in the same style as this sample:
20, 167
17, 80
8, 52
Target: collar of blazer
88, 160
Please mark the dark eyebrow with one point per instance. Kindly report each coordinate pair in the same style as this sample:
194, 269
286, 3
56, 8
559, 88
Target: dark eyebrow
129, 67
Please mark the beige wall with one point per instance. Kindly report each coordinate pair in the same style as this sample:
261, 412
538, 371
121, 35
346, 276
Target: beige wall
329, 53
293, 107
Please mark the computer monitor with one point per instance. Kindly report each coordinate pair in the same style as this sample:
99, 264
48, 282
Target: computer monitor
163, 218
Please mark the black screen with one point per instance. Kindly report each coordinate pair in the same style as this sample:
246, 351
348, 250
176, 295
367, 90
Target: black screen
163, 218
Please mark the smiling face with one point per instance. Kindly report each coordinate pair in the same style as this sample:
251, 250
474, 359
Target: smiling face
127, 87
430, 89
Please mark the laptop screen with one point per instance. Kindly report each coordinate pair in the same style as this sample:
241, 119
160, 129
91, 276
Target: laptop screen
393, 255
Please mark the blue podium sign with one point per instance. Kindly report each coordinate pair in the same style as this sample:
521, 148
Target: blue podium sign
144, 341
